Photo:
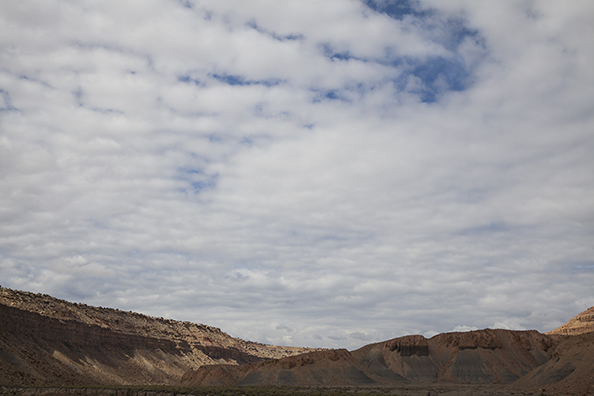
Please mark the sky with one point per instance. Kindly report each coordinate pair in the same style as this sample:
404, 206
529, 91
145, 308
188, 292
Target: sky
309, 173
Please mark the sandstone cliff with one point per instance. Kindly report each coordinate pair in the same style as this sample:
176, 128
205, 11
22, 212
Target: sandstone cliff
47, 341
478, 357
323, 368
526, 362
579, 324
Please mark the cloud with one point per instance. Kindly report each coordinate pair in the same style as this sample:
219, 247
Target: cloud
346, 171
464, 328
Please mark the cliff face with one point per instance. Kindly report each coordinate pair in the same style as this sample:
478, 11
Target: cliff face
483, 356
335, 367
521, 361
47, 341
569, 371
580, 324
478, 357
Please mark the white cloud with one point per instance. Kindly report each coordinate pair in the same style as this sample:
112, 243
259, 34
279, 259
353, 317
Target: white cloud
314, 166
464, 328
508, 324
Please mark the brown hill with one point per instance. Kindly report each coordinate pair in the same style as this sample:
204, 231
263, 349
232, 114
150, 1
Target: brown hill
324, 368
47, 341
478, 357
570, 370
482, 356
579, 324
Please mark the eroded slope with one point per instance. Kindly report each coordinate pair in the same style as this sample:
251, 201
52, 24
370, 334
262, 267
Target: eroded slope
582, 323
478, 357
46, 341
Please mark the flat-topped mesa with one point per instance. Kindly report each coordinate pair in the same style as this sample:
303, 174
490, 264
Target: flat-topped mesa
580, 324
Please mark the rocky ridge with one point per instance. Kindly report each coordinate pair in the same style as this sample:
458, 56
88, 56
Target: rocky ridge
580, 324
569, 371
477, 357
518, 362
46, 341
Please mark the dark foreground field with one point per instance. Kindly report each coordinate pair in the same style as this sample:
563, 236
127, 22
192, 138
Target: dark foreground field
412, 390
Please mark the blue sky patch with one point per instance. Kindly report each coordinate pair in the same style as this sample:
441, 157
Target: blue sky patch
455, 32
326, 95
197, 179
397, 9
188, 79
240, 80
440, 74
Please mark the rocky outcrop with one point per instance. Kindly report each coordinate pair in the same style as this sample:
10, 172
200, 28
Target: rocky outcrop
569, 371
324, 368
484, 356
521, 361
579, 324
46, 341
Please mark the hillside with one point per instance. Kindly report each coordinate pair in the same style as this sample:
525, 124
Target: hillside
580, 324
477, 357
525, 362
46, 341
570, 370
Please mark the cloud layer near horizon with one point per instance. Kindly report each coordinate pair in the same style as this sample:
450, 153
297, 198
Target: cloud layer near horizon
302, 173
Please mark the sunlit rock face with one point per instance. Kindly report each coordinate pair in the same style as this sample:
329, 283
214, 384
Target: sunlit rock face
47, 341
477, 357
579, 324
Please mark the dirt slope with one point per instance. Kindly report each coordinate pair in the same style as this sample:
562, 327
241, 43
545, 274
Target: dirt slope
483, 356
478, 357
323, 368
46, 341
569, 371
526, 362
579, 324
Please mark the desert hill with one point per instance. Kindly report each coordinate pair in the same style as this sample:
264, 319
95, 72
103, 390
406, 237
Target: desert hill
521, 361
580, 324
478, 357
48, 341
335, 367
45, 341
570, 369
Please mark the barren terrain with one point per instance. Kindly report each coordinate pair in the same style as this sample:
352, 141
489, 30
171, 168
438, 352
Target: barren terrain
46, 342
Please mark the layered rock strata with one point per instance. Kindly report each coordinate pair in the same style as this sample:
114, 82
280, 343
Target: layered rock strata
579, 324
484, 356
46, 341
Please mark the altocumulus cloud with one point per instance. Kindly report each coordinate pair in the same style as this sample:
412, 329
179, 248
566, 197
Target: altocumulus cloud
316, 173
